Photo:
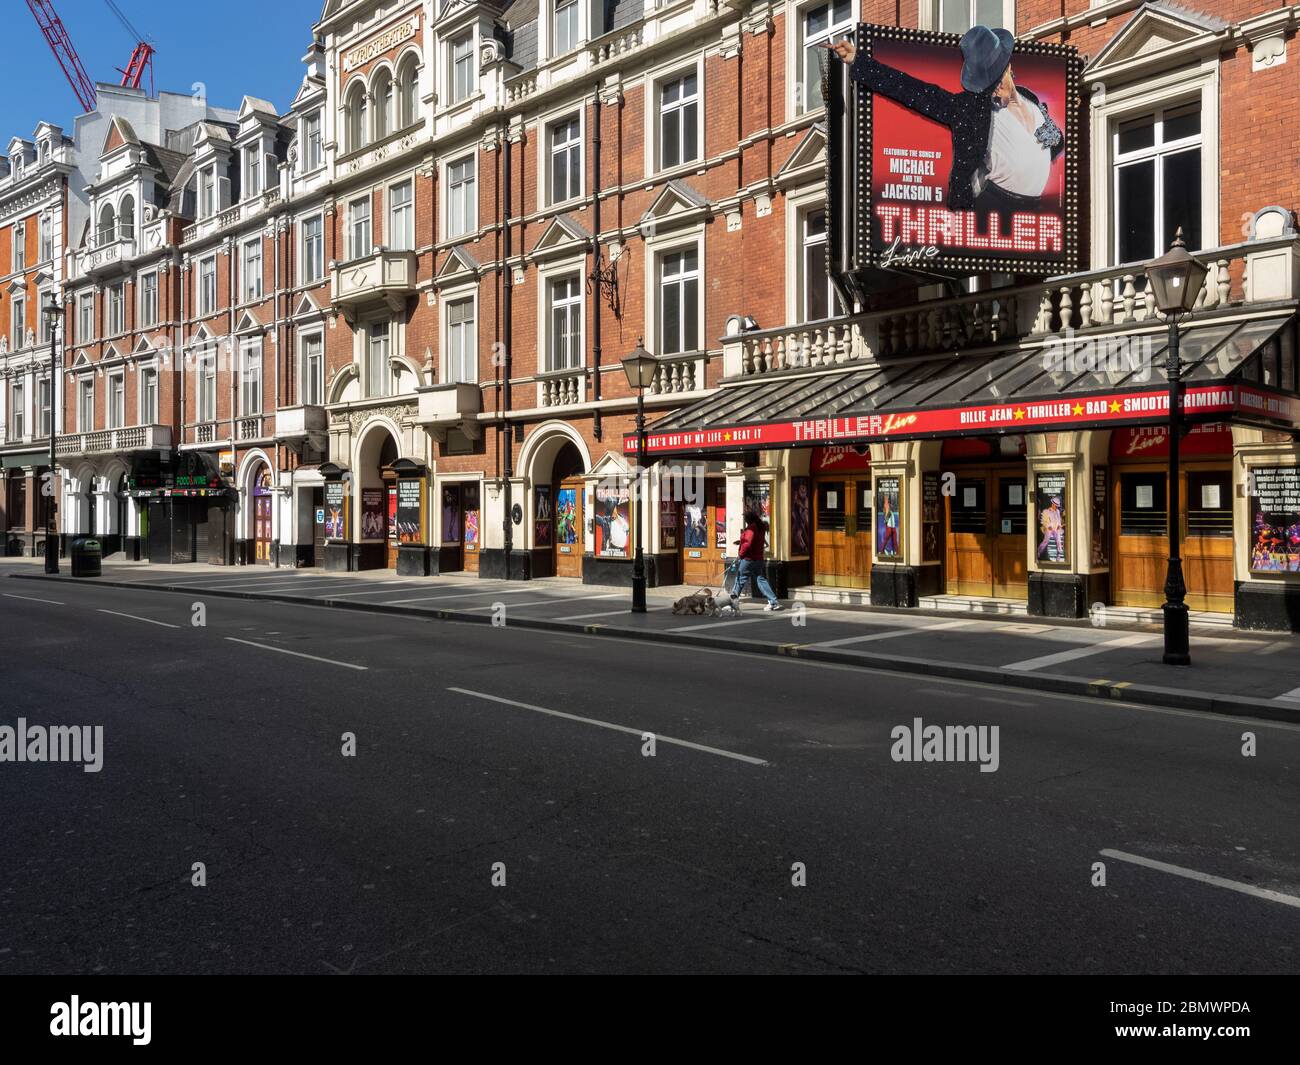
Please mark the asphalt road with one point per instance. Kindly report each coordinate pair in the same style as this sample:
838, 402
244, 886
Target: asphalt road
222, 749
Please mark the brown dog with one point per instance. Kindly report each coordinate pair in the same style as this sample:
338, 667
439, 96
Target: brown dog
701, 602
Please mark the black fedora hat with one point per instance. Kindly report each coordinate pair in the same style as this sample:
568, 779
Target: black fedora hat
985, 55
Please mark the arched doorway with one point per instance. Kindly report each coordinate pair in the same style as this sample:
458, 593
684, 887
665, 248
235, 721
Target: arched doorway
262, 501
564, 499
376, 500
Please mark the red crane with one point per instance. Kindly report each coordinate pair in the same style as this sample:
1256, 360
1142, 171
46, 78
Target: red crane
61, 45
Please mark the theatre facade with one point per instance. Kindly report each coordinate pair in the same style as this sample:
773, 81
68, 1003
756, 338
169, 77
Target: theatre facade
998, 427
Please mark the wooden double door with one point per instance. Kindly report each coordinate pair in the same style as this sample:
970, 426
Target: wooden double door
988, 541
1140, 502
704, 535
842, 530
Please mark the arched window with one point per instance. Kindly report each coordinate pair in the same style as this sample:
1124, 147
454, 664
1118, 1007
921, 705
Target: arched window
126, 219
383, 94
408, 89
356, 117
107, 224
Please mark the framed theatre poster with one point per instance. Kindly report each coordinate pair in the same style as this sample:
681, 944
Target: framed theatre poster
931, 517
1100, 512
1274, 519
409, 519
758, 500
336, 510
451, 515
1051, 503
612, 521
543, 518
955, 153
889, 521
374, 509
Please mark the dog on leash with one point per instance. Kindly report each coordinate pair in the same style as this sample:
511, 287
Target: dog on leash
699, 603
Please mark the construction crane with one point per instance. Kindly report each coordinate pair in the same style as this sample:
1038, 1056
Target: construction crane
66, 53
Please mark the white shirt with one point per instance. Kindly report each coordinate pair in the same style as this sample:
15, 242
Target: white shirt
1018, 163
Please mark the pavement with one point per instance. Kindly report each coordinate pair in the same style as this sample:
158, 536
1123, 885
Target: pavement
544, 799
1107, 656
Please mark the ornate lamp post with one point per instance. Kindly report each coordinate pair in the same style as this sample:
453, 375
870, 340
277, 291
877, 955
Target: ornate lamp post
640, 368
1175, 279
53, 312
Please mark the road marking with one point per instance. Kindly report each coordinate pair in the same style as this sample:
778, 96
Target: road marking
282, 584
891, 633
1135, 640
659, 736
548, 602
463, 595
784, 614
1273, 648
296, 654
598, 614
33, 599
1205, 878
380, 591
136, 617
1293, 696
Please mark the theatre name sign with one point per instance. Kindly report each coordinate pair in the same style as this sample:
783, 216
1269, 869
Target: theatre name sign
1116, 408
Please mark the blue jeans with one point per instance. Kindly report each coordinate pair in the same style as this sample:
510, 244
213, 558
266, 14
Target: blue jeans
749, 568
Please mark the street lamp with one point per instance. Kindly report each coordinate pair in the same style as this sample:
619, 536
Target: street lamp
640, 367
1175, 279
53, 312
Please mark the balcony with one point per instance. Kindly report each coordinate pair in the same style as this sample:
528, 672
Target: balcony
449, 406
561, 388
134, 438
1094, 303
304, 424
383, 276
109, 252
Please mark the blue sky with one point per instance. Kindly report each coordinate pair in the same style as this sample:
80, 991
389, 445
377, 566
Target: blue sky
196, 41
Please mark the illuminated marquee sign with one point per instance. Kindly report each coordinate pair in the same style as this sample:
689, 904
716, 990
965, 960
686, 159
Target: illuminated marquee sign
1119, 408
926, 176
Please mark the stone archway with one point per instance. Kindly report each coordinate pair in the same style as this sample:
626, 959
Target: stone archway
373, 483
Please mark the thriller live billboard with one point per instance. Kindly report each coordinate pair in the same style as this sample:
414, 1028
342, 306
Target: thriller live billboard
951, 155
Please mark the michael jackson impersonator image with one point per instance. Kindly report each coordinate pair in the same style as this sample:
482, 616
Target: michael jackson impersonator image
1003, 138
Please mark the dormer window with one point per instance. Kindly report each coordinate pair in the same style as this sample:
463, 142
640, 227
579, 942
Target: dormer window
107, 224
462, 66
126, 219
45, 152
311, 142
565, 27
253, 170
207, 193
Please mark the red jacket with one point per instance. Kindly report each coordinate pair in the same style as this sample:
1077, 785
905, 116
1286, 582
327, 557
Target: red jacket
751, 544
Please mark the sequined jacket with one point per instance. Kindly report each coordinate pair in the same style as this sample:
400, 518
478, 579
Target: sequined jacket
968, 116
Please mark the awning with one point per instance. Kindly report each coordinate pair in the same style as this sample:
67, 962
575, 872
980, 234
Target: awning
1242, 370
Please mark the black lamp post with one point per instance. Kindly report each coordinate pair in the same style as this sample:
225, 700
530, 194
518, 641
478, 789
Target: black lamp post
53, 313
1175, 279
640, 367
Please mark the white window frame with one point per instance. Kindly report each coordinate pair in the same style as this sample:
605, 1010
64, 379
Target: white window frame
410, 98
548, 149
929, 14
359, 226
46, 250
655, 247
405, 224
17, 322
250, 376
207, 295
469, 211
19, 247
43, 298
462, 367
311, 386
1132, 101
207, 192
313, 148
44, 405
115, 401
148, 310
115, 298
148, 399
378, 334
547, 279
572, 24
85, 321
382, 114
356, 127
462, 72
1157, 152
86, 404
253, 171
250, 270
655, 82
205, 392
663, 282
18, 408
796, 67
307, 275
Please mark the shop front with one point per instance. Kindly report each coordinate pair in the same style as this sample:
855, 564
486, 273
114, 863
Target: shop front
187, 509
1013, 479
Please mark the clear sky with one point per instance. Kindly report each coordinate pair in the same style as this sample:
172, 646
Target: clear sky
235, 47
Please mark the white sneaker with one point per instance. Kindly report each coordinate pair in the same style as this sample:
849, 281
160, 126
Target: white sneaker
773, 607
